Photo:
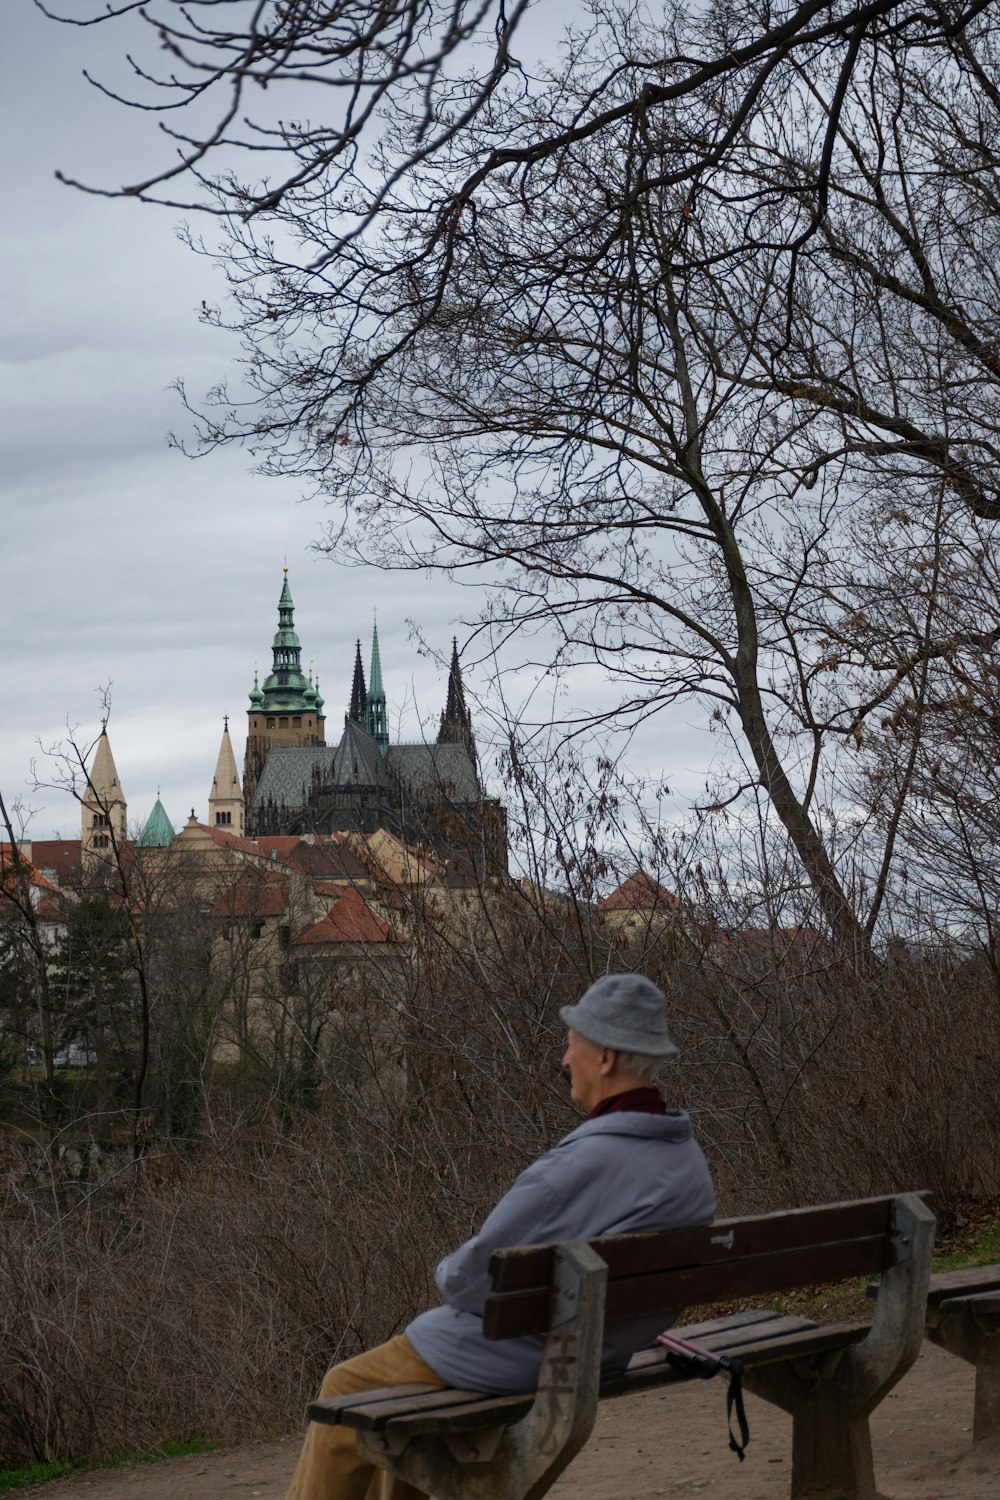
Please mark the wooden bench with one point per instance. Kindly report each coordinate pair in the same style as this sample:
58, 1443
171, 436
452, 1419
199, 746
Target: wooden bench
453, 1444
963, 1316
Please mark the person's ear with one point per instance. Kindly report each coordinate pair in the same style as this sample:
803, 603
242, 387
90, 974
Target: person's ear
609, 1061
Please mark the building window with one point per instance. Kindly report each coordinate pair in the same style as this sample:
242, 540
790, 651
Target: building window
270, 723
223, 819
101, 820
296, 722
283, 721
101, 841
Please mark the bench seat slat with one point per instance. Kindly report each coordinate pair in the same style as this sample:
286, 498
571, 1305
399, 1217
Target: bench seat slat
948, 1285
744, 1319
651, 1367
367, 1416
975, 1301
495, 1411
727, 1340
327, 1409
954, 1283
808, 1341
728, 1239
513, 1314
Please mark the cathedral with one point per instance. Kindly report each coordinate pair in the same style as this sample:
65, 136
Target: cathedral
426, 793
294, 782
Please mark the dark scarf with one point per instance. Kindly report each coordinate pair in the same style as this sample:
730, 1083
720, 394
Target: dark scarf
647, 1101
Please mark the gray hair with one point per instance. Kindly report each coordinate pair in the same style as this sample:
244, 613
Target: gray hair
639, 1064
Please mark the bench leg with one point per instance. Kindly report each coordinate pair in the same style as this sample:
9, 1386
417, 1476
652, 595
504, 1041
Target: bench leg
986, 1420
831, 1453
959, 1332
831, 1442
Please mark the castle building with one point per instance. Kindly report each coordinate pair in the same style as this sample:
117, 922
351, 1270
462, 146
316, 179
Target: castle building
423, 792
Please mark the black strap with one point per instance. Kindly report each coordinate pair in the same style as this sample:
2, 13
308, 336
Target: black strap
734, 1402
695, 1363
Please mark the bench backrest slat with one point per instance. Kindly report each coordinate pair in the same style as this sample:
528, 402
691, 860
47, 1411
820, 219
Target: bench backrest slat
727, 1240
511, 1314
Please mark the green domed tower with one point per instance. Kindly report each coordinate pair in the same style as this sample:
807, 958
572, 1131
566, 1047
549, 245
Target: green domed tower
287, 709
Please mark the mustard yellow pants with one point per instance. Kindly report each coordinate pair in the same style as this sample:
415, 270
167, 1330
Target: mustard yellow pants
330, 1466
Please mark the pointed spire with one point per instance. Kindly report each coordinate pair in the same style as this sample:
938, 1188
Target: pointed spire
375, 687
103, 779
285, 688
225, 800
358, 691
157, 831
103, 809
456, 722
376, 717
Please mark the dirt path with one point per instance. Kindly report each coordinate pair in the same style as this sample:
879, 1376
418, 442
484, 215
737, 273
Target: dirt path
662, 1444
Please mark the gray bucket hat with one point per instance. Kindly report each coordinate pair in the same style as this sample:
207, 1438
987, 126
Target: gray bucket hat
625, 1012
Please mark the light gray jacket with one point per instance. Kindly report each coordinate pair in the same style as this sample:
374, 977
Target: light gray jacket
614, 1175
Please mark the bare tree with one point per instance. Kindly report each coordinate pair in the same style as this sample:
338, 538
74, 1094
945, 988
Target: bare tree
663, 322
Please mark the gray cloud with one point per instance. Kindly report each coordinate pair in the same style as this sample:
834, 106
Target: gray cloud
124, 562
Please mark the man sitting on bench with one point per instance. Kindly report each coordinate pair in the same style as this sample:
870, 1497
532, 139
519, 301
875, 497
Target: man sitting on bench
633, 1164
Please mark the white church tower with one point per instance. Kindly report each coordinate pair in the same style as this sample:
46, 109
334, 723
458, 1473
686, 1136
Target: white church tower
103, 809
225, 800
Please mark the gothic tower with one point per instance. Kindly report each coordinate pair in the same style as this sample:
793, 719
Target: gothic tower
288, 709
376, 716
225, 800
456, 721
359, 693
103, 809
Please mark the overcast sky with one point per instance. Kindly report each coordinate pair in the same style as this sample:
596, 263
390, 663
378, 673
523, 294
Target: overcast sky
124, 562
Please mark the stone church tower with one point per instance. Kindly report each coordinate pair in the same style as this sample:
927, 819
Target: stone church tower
103, 808
287, 710
225, 801
456, 721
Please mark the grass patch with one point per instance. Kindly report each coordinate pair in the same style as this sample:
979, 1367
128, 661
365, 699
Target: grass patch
981, 1249
19, 1479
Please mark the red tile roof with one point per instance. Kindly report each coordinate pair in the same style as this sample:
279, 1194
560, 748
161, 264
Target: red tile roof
640, 892
62, 856
326, 861
229, 840
48, 911
10, 859
253, 898
275, 846
350, 920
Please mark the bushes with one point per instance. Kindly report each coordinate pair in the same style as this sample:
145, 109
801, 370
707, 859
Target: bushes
203, 1296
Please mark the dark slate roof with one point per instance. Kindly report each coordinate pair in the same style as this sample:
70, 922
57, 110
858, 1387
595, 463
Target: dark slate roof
435, 771
288, 772
357, 760
425, 770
